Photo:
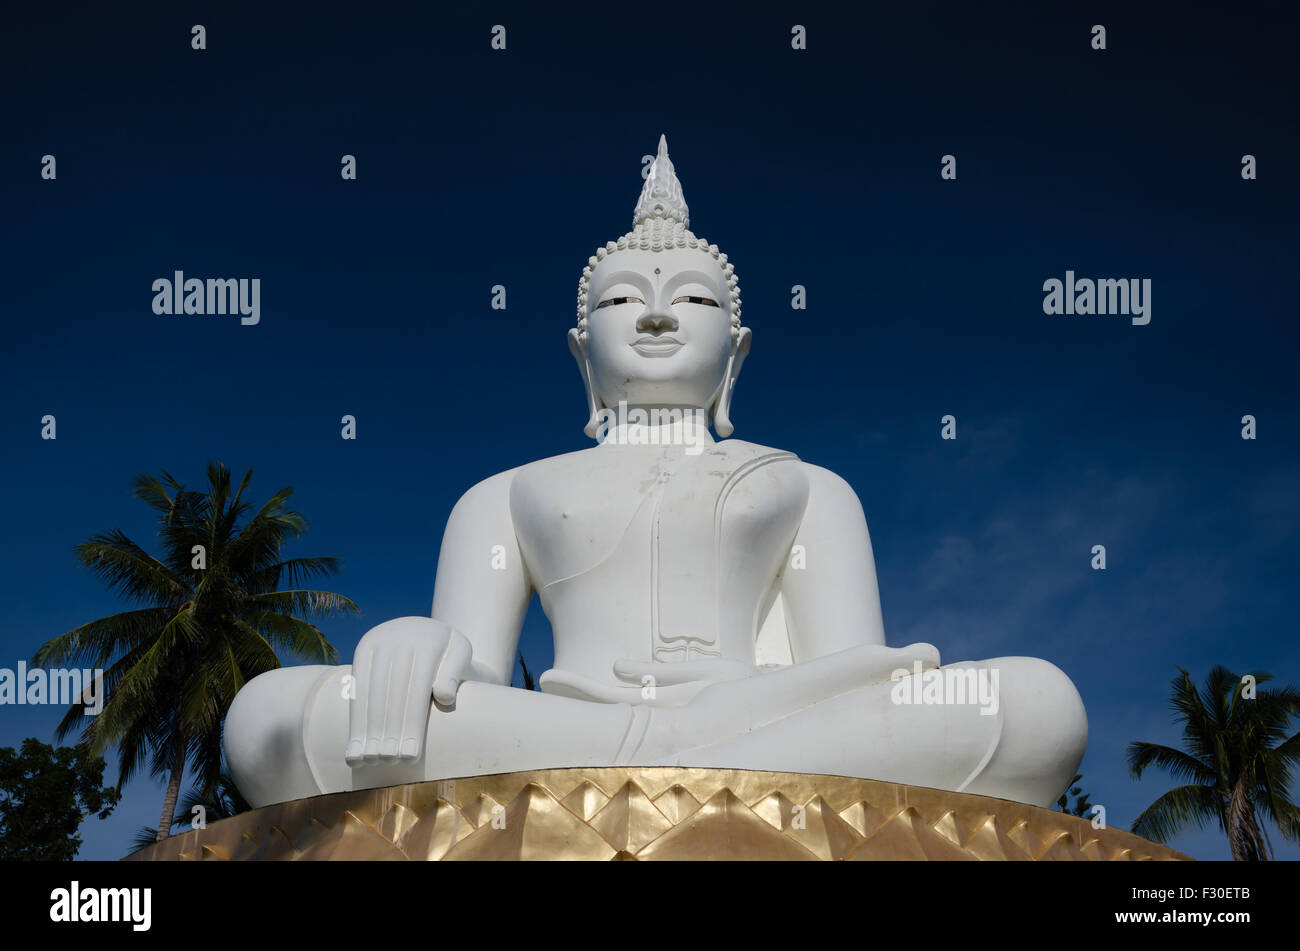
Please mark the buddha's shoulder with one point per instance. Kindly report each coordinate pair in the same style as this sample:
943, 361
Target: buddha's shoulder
739, 449
496, 489
822, 483
567, 465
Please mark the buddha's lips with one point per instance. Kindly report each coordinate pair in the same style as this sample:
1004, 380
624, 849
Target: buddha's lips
656, 346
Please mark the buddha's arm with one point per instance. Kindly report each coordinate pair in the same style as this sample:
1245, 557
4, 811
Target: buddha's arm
479, 600
482, 589
832, 611
833, 603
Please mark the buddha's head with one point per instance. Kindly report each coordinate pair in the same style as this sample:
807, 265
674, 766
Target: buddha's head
659, 313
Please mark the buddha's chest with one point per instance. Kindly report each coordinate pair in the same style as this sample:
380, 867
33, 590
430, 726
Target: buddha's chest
685, 536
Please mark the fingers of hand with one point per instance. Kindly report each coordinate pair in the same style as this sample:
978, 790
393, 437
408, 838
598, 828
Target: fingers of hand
379, 685
415, 716
400, 687
393, 673
362, 665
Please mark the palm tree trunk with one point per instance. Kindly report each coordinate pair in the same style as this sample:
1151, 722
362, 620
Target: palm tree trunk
173, 790
1236, 844
1232, 826
1253, 833
1245, 837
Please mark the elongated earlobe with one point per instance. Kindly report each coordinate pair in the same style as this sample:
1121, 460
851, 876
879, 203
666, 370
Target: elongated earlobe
722, 405
594, 404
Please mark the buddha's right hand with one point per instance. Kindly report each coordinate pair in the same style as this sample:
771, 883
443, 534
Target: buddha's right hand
396, 667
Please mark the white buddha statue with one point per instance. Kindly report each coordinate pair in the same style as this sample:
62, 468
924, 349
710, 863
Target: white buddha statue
713, 603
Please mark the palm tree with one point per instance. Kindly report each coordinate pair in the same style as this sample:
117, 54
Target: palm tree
1081, 805
1236, 763
219, 802
529, 683
210, 616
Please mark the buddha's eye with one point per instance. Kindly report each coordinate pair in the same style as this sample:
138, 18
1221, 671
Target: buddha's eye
612, 301
706, 301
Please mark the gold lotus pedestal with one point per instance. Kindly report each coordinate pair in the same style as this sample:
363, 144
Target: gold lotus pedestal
655, 813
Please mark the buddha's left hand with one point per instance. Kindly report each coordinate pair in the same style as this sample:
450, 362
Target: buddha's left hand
702, 672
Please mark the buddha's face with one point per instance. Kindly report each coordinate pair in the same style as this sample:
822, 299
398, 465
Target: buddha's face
658, 328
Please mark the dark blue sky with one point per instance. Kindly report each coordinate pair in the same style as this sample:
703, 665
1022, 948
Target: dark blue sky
479, 167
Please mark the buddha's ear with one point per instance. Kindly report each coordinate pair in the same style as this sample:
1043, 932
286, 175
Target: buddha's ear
722, 405
579, 352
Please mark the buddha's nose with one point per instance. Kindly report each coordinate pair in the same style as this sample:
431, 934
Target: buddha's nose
656, 323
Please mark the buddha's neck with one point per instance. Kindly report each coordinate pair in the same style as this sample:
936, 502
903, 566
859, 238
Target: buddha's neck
657, 425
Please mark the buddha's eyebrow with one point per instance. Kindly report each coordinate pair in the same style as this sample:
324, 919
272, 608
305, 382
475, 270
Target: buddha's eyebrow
625, 277
695, 277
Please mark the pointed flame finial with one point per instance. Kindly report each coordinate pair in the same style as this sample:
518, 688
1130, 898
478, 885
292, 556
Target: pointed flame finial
661, 196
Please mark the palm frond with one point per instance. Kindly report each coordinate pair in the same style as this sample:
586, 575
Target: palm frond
1181, 765
99, 641
296, 635
292, 571
1177, 810
129, 570
305, 603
